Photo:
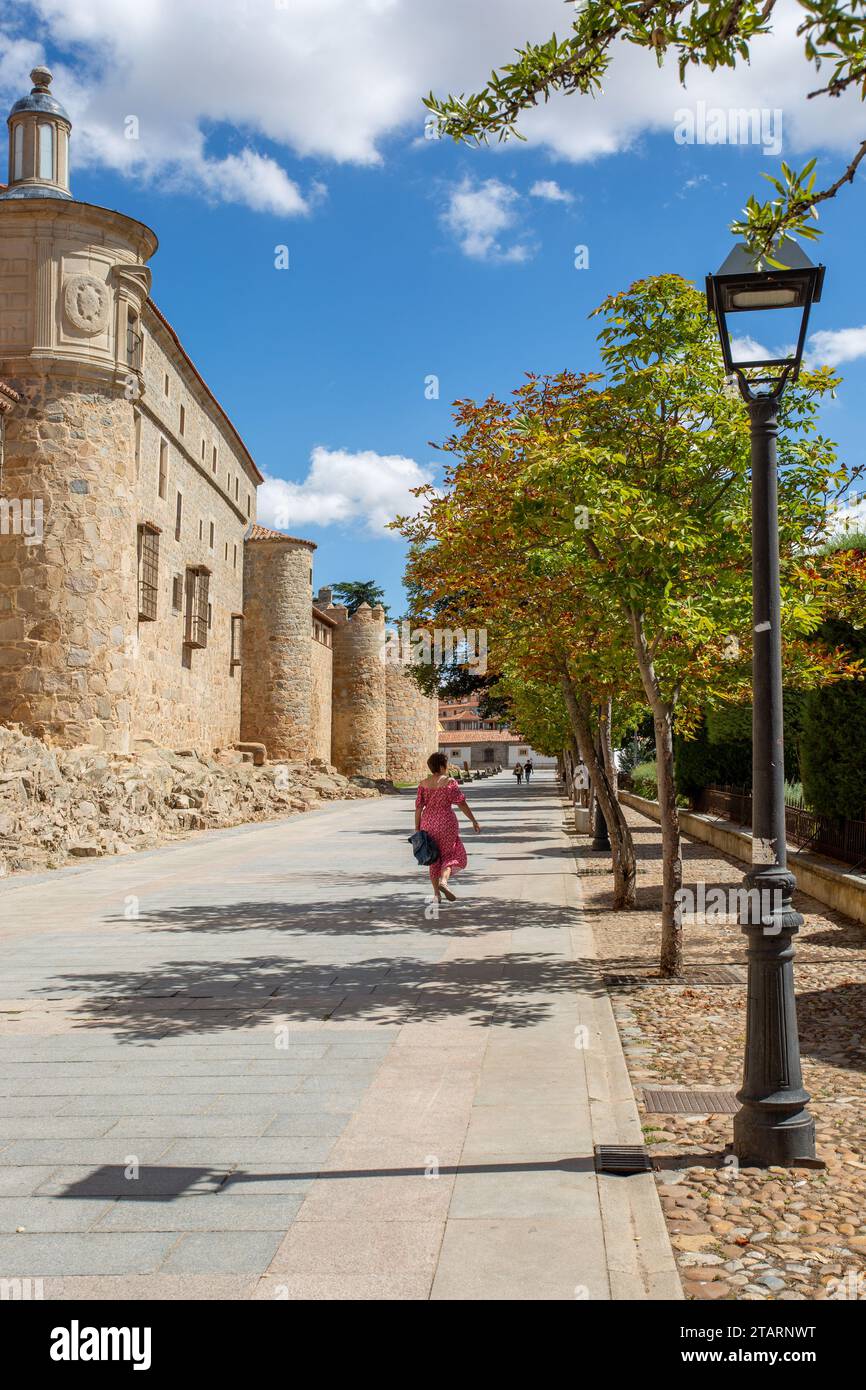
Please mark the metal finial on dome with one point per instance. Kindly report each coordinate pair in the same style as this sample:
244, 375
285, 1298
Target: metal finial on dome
41, 78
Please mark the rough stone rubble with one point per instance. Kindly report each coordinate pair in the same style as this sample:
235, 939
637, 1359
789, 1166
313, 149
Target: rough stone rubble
58, 804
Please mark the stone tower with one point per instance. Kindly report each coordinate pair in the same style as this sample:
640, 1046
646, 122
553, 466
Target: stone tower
73, 280
276, 687
358, 728
412, 726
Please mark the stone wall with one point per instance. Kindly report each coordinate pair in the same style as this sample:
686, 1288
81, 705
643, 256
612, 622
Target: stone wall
358, 732
70, 276
320, 699
68, 604
276, 687
412, 723
189, 697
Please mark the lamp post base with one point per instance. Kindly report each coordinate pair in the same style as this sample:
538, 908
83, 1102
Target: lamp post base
773, 1126
763, 1139
600, 837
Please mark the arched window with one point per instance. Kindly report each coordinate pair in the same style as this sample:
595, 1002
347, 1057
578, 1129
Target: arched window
18, 153
46, 152
62, 157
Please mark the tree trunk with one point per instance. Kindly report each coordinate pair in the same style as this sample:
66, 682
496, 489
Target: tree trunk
671, 961
622, 845
672, 862
606, 733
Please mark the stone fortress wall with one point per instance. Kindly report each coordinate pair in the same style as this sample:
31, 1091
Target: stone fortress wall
148, 497
277, 680
69, 276
322, 686
358, 723
411, 727
195, 481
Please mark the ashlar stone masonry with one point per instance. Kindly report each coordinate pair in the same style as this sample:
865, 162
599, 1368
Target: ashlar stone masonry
138, 597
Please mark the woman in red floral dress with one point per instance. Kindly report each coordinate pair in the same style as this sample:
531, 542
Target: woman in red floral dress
437, 795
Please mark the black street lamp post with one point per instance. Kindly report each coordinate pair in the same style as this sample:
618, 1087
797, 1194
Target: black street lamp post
773, 1124
600, 835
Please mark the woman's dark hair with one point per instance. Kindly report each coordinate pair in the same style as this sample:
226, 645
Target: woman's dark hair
437, 762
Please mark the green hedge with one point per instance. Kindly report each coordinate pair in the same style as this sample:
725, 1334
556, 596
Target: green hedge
833, 737
701, 761
721, 754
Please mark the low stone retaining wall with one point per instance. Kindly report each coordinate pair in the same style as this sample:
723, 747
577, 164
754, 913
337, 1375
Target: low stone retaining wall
831, 884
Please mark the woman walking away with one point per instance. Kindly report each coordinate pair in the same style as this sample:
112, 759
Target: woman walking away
518, 772
437, 794
528, 770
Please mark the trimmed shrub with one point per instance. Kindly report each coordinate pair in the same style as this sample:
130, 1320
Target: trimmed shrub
644, 781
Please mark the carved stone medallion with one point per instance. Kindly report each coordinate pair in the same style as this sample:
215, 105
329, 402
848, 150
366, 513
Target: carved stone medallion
85, 300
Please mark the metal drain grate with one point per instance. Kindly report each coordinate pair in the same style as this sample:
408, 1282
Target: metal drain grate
690, 1102
693, 975
622, 1158
718, 974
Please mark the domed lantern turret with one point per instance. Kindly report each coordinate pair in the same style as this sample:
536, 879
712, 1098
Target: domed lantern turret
38, 144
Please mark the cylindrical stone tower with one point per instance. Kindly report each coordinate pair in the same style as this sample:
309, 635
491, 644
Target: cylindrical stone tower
73, 278
358, 741
276, 685
412, 726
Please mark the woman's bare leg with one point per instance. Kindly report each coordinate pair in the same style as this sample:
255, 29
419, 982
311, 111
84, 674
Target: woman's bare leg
443, 884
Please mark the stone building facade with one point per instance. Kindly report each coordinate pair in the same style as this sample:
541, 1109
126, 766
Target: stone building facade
138, 596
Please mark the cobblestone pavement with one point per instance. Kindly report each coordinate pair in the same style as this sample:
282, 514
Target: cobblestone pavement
252, 1065
751, 1234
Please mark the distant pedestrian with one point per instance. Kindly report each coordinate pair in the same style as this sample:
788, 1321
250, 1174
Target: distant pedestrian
528, 770
437, 796
518, 772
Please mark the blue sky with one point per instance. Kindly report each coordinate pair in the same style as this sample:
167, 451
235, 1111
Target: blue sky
408, 257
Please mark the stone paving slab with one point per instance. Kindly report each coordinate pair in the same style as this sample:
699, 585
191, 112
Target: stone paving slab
327, 1093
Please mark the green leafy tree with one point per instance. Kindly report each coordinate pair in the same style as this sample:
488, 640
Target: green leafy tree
710, 34
354, 592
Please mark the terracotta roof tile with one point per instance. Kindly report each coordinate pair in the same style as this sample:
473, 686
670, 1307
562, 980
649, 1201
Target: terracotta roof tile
266, 533
454, 738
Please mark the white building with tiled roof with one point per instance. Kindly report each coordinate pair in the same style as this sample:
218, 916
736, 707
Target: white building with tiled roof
470, 741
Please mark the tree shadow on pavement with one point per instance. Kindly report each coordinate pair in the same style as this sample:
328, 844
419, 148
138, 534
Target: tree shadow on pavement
208, 994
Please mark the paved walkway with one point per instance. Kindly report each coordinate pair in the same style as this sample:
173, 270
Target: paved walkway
253, 1065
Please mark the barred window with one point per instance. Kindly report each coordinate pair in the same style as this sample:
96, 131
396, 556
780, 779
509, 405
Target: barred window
163, 467
237, 638
148, 572
197, 587
177, 593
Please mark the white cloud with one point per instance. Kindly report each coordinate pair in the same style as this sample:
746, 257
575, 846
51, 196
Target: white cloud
832, 346
550, 190
479, 213
334, 79
342, 489
747, 349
